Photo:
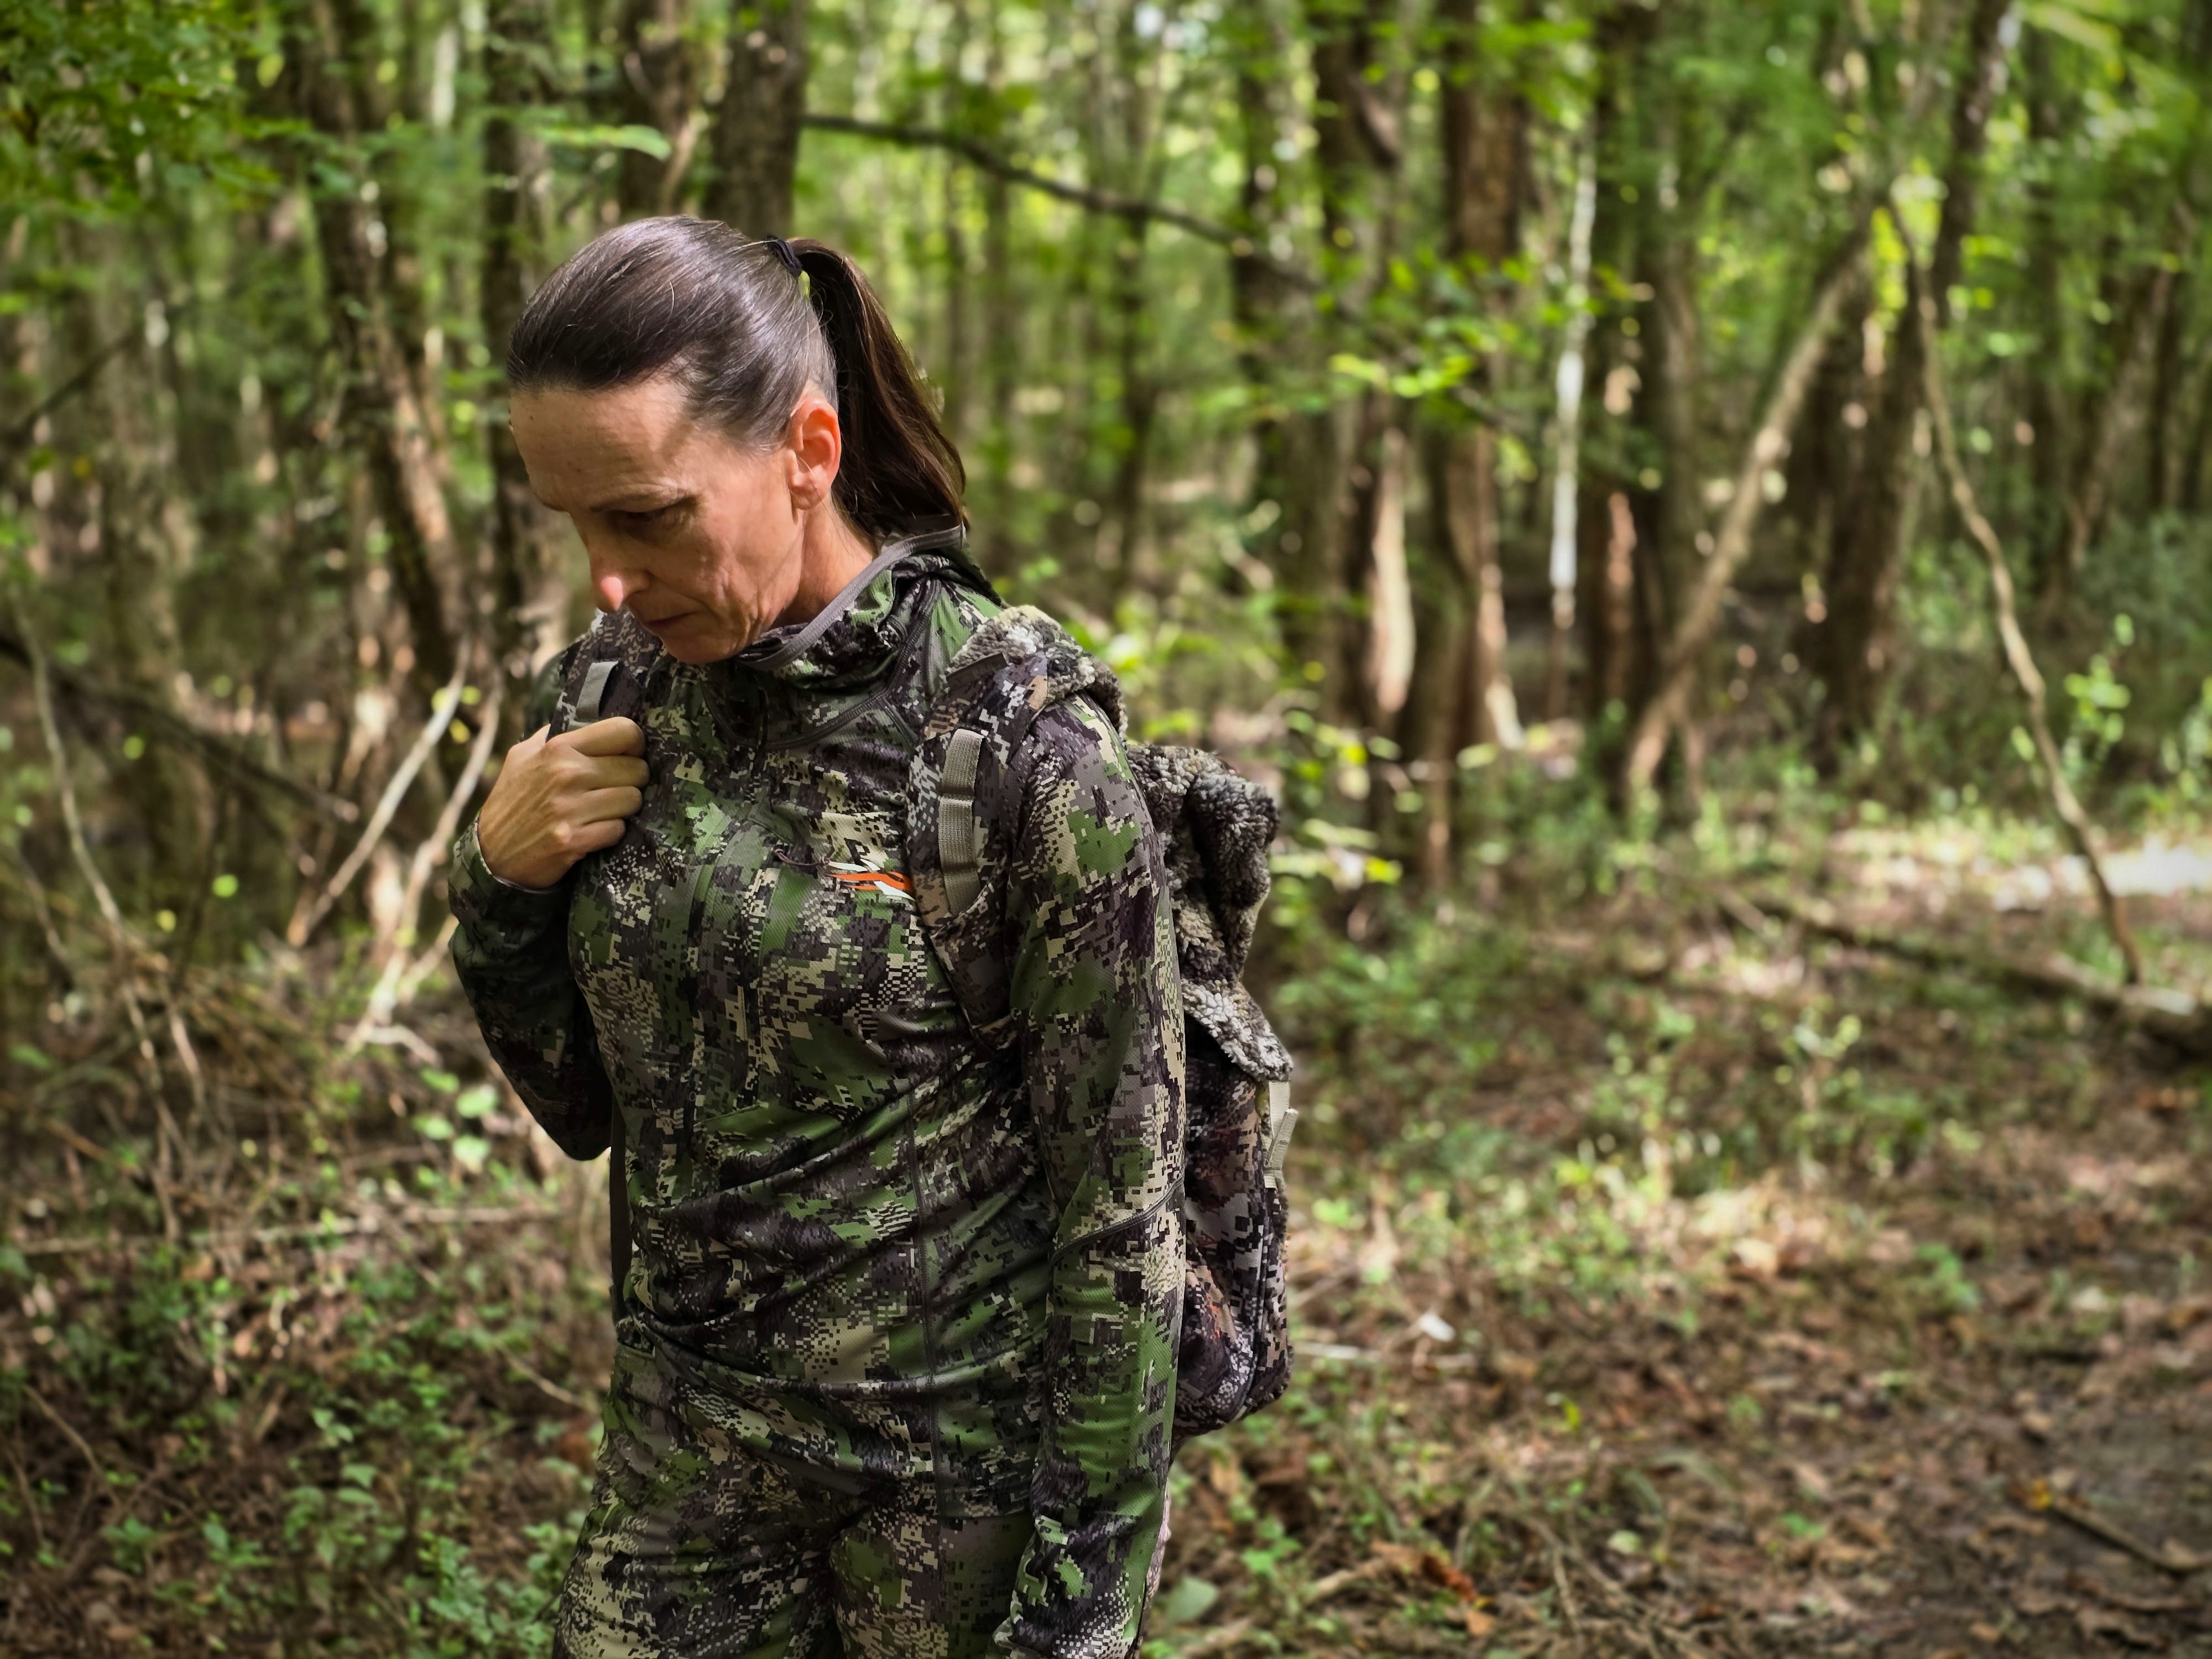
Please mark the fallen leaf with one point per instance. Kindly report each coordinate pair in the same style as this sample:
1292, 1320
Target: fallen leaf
1437, 1571
1478, 1623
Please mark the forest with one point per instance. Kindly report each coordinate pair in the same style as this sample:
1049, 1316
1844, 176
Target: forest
1700, 509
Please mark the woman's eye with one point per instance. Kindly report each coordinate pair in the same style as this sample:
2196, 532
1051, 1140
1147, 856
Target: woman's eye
648, 518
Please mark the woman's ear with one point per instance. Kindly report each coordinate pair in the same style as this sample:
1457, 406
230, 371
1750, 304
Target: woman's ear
817, 445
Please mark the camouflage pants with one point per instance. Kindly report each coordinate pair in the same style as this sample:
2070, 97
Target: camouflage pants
701, 1544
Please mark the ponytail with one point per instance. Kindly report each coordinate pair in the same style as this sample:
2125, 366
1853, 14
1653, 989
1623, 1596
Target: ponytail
899, 467
746, 326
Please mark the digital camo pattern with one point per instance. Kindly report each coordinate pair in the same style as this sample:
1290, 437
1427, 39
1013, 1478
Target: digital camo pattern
1215, 829
875, 1260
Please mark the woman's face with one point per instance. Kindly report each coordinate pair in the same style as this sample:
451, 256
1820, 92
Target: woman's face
701, 539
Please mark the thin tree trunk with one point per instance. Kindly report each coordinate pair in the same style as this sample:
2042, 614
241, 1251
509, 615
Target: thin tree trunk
762, 112
1566, 462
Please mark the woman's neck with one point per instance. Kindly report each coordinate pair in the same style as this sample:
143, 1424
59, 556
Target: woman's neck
832, 552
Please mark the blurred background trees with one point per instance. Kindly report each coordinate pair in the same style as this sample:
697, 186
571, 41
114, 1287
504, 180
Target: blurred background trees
1251, 318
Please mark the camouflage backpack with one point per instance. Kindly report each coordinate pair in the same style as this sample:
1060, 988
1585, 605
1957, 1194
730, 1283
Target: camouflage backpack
1215, 829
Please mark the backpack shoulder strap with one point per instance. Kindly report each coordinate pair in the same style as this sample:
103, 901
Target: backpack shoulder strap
1016, 663
606, 672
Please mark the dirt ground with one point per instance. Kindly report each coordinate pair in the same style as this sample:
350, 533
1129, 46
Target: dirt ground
1669, 1280
1949, 1403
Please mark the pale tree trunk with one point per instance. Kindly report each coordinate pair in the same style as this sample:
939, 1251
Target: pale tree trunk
528, 615
757, 130
1856, 645
1566, 456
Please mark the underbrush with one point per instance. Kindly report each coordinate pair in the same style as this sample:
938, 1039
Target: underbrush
300, 1346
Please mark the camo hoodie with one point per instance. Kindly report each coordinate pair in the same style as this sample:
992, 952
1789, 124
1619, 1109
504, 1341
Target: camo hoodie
906, 1256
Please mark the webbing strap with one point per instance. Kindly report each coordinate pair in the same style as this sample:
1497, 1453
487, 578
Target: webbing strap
594, 689
957, 855
1282, 1118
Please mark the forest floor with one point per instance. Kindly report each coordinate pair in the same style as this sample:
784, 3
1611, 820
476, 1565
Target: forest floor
1668, 1281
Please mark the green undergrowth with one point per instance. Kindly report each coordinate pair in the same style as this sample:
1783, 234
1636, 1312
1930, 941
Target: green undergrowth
346, 1408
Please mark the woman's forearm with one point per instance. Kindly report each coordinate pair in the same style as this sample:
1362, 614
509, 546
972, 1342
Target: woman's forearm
510, 950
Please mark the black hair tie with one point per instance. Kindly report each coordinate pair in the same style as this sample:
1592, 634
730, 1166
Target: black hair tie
785, 251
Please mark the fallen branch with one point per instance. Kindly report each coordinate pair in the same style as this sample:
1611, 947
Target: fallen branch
2172, 1016
400, 975
1678, 673
217, 752
2040, 1497
68, 1432
2063, 803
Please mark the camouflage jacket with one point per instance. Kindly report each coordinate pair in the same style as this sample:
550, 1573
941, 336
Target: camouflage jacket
883, 1251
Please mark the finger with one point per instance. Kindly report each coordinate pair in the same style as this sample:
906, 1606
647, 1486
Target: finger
529, 746
614, 735
603, 804
592, 837
611, 772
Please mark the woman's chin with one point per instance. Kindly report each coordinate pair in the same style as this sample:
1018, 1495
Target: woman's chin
695, 640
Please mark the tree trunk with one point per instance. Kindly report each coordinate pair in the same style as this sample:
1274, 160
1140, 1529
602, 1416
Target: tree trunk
1699, 612
528, 597
757, 127
1484, 132
653, 89
1857, 644
1358, 150
381, 402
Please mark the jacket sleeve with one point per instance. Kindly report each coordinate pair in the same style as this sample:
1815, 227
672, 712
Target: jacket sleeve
1097, 1019
511, 953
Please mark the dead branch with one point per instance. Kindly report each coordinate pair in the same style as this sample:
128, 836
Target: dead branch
398, 978
2172, 1016
168, 1138
1669, 704
441, 713
1134, 208
217, 752
2063, 803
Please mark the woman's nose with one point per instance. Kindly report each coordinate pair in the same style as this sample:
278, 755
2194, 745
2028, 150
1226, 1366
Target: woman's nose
610, 588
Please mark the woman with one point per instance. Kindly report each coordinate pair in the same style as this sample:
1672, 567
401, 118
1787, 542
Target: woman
894, 1366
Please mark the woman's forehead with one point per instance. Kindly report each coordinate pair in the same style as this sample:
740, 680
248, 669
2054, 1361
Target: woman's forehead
588, 443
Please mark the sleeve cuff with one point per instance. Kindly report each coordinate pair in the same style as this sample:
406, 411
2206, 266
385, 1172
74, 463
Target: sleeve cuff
476, 889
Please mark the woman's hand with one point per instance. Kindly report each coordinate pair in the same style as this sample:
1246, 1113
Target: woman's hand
557, 799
